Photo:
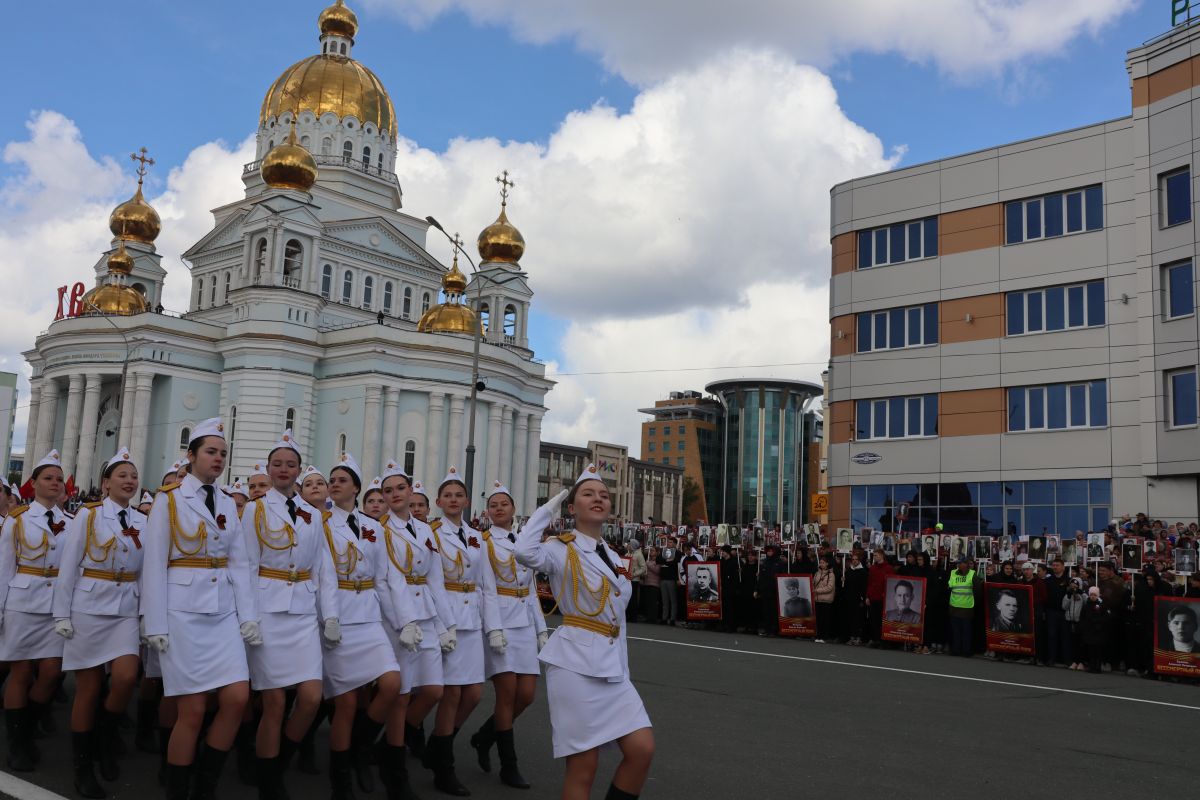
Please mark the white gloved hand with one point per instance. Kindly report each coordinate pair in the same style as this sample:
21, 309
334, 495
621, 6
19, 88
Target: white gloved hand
543, 637
64, 628
555, 503
497, 641
411, 636
158, 642
449, 640
540, 520
251, 633
333, 631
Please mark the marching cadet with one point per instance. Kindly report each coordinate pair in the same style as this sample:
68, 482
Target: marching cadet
418, 502
96, 610
145, 503
30, 549
259, 482
295, 587
513, 672
373, 504
592, 700
241, 496
471, 590
176, 474
199, 608
419, 611
314, 488
365, 655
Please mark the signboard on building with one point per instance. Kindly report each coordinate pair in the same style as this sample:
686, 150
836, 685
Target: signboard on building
819, 504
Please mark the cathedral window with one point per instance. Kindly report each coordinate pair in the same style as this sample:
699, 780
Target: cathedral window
326, 146
289, 418
326, 281
200, 293
387, 297
347, 151
293, 260
185, 437
410, 456
510, 321
341, 444
380, 162
368, 292
347, 286
260, 259
306, 142
406, 308
343, 48
366, 159
484, 317
212, 292
227, 280
425, 300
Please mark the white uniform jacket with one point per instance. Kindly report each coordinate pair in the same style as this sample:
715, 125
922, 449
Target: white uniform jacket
180, 526
96, 543
516, 588
278, 546
353, 562
406, 555
31, 548
464, 562
586, 589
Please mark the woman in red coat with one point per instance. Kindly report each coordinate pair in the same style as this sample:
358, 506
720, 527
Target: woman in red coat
876, 590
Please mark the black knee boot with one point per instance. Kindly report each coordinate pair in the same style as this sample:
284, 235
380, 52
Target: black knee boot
509, 774
268, 777
414, 740
482, 742
394, 771
362, 743
164, 741
441, 756
19, 757
306, 762
44, 724
108, 738
147, 719
243, 744
85, 775
341, 777
177, 779
208, 772
616, 794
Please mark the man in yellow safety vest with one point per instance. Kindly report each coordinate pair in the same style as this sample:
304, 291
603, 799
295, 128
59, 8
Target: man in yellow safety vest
962, 607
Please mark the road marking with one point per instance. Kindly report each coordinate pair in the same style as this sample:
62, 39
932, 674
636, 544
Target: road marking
1056, 689
12, 786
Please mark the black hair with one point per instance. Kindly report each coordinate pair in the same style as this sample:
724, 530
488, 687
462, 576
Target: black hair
348, 471
911, 590
1181, 609
447, 483
39, 470
407, 480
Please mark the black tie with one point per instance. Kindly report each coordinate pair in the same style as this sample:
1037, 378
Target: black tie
408, 526
602, 551
121, 516
49, 517
512, 538
210, 502
291, 504
462, 538
353, 523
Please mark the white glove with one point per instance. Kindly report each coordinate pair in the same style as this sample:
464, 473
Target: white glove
543, 637
251, 633
449, 639
333, 631
411, 636
64, 628
555, 503
158, 642
497, 642
543, 516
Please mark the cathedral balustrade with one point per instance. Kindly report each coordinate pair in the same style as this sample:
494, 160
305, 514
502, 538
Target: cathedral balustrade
346, 162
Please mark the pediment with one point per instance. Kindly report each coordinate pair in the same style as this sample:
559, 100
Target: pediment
376, 234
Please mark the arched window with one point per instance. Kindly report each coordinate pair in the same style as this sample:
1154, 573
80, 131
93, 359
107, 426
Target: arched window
366, 159
141, 288
343, 48
228, 279
260, 259
347, 286
212, 292
200, 293
510, 320
185, 437
380, 160
293, 261
387, 297
368, 292
425, 302
410, 456
325, 47
406, 311
289, 418
270, 144
326, 146
326, 281
484, 317
341, 444
347, 151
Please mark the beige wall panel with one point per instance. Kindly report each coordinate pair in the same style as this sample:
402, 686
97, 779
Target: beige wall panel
896, 285
1055, 259
1063, 161
1055, 449
967, 455
1170, 128
969, 179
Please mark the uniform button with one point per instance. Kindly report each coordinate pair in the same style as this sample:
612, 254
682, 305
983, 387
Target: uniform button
617, 593
216, 537
418, 594
214, 580
291, 566
52, 547
124, 549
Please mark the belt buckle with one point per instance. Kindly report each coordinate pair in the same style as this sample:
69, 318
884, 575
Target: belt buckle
293, 576
613, 631
214, 562
46, 572
358, 585
120, 574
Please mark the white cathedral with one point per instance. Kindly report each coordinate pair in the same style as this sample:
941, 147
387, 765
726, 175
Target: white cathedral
314, 305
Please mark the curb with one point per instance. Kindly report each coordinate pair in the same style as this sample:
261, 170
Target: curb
13, 788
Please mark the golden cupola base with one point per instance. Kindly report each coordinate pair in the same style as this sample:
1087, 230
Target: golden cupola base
114, 296
135, 219
289, 165
451, 316
501, 241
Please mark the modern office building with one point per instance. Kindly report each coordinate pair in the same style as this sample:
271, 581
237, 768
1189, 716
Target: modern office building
685, 431
641, 491
1014, 336
8, 416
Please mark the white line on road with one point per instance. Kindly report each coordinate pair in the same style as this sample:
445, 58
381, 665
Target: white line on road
12, 786
918, 672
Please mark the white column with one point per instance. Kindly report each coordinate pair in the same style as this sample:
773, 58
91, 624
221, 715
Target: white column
391, 410
521, 442
506, 447
454, 448
431, 465
87, 433
70, 448
47, 421
143, 383
495, 411
370, 436
126, 411
31, 428
532, 452
276, 262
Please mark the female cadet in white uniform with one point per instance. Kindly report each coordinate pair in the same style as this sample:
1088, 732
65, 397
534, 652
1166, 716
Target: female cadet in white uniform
418, 502
199, 606
471, 590
592, 700
96, 611
29, 558
515, 671
292, 570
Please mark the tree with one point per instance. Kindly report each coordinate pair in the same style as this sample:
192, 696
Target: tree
693, 508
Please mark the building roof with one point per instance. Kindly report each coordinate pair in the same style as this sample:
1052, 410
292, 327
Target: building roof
798, 387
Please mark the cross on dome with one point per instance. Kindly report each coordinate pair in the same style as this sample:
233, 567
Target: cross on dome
143, 160
505, 185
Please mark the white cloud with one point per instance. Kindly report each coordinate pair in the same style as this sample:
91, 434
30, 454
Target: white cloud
647, 41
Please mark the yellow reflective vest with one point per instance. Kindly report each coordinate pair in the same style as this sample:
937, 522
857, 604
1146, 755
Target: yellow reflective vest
962, 589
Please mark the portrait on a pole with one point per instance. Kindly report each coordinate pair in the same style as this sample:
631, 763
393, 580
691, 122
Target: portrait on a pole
1176, 647
904, 609
703, 590
1009, 618
796, 614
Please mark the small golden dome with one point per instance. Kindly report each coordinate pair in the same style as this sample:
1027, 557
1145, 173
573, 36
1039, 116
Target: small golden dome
290, 165
447, 318
337, 20
115, 298
501, 241
454, 282
135, 219
120, 262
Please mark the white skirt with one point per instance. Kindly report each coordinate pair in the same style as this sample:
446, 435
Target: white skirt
204, 652
290, 652
521, 655
463, 666
588, 712
362, 656
99, 639
424, 667
28, 637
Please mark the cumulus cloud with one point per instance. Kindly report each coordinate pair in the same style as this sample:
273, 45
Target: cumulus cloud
647, 41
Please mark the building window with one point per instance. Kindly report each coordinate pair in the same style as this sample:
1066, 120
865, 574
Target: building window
341, 444
326, 281
650, 430
893, 244
260, 259
510, 321
326, 146
1179, 298
212, 292
485, 318
895, 328
1058, 406
347, 151
410, 456
650, 447
1055, 308
293, 259
1182, 397
200, 293
347, 286
289, 418
366, 159
896, 417
424, 302
387, 297
185, 437
1054, 215
368, 292
666, 446
679, 462
1175, 197
407, 303
228, 278
680, 444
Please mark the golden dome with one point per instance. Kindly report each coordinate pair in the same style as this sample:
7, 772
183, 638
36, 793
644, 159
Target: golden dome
289, 165
115, 298
501, 241
327, 82
454, 282
120, 262
135, 219
447, 318
337, 20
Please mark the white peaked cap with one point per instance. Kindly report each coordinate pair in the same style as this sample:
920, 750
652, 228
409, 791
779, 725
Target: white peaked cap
589, 474
391, 469
121, 456
51, 459
309, 471
210, 427
237, 487
258, 469
452, 475
175, 467
419, 488
499, 488
376, 483
286, 439
146, 498
346, 461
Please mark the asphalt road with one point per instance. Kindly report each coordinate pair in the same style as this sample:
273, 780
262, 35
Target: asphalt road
742, 716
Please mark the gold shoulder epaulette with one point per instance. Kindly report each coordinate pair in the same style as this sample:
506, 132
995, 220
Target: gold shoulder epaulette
325, 515
18, 511
565, 538
96, 504
170, 487
435, 525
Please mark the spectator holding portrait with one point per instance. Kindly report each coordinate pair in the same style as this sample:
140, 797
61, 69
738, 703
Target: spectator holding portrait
768, 589
729, 580
637, 574
668, 561
651, 600
1072, 605
748, 612
876, 591
1095, 626
824, 585
853, 598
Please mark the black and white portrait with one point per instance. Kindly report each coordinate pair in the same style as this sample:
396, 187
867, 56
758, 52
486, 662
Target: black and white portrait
1037, 548
957, 549
1005, 551
1131, 555
1053, 544
1185, 560
1070, 551
760, 536
1007, 610
1178, 624
703, 583
704, 537
1149, 548
888, 544
903, 602
929, 545
845, 540
983, 548
795, 596
1095, 546
789, 534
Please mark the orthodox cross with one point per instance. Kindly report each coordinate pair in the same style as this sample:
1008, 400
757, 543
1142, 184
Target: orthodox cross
140, 156
505, 185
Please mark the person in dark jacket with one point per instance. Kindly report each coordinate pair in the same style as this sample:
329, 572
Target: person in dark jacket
768, 590
852, 599
668, 574
876, 589
802, 562
748, 613
1095, 625
729, 588
1139, 650
1057, 636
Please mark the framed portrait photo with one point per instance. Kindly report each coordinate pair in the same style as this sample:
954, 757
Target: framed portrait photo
904, 609
703, 590
1009, 618
1095, 547
1185, 560
722, 534
845, 540
796, 610
1176, 646
1131, 554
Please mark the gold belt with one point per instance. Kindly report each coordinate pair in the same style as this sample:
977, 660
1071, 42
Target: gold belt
507, 592
454, 586
595, 626
116, 576
41, 572
289, 575
199, 562
414, 580
356, 586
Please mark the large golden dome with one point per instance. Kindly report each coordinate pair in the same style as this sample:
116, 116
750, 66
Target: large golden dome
289, 165
115, 298
135, 219
451, 316
337, 20
501, 241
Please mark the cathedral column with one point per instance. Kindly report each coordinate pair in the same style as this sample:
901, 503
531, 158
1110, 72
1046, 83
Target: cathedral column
47, 421
144, 382
521, 442
126, 410
70, 448
31, 428
495, 411
506, 448
454, 448
391, 410
87, 433
370, 436
247, 269
431, 464
532, 452
275, 265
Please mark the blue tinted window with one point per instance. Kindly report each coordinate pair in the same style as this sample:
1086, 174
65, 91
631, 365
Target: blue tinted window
896, 327
858, 496
1074, 212
880, 330
1037, 407
1056, 405
1034, 315
1180, 296
1054, 212
1095, 303
914, 416
1033, 219
1101, 491
1039, 519
1039, 493
1075, 307
1054, 308
1100, 518
931, 414
879, 419
864, 249
1094, 208
862, 422
1071, 492
905, 493
881, 252
914, 325
897, 237
879, 495
864, 333
1178, 191
1013, 230
1016, 313
1014, 493
931, 323
1071, 519
914, 240
1016, 409
1098, 400
896, 417
931, 237
1183, 397
1078, 401
991, 520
